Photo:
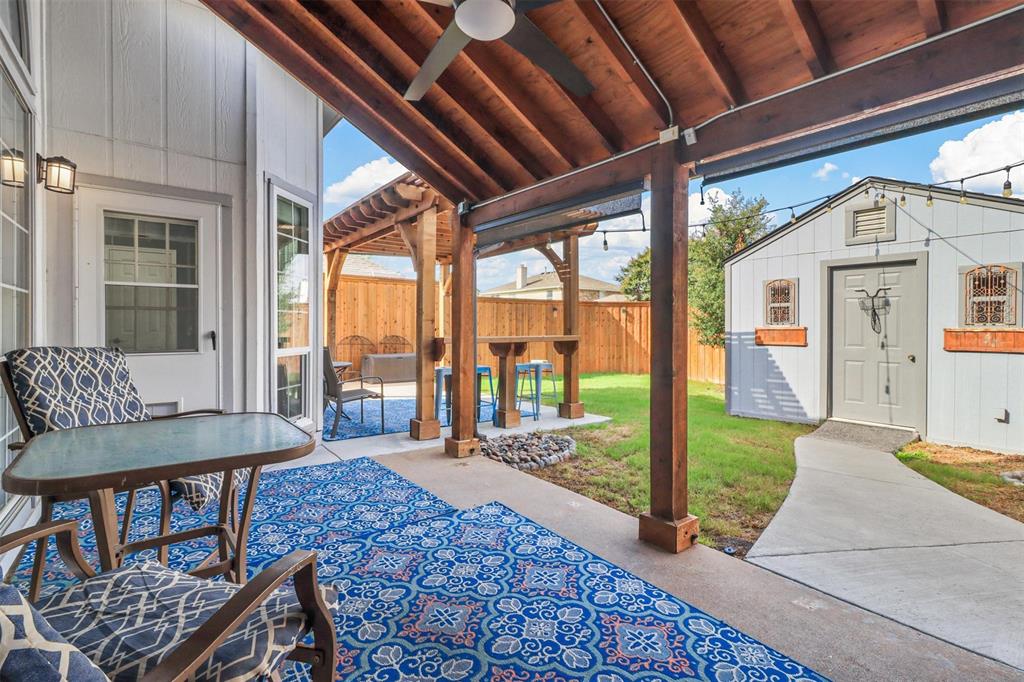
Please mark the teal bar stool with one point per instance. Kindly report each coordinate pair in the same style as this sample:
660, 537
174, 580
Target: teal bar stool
526, 378
442, 392
542, 366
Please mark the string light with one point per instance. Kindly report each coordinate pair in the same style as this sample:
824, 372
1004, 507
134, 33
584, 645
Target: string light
1007, 187
702, 194
792, 215
881, 196
605, 240
903, 197
963, 194
929, 201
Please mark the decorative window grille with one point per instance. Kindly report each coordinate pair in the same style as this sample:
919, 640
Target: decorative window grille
780, 303
990, 296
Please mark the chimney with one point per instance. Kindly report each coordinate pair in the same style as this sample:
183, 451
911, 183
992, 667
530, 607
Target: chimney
521, 277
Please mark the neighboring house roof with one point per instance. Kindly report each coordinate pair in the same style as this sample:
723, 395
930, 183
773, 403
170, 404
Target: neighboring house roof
891, 185
549, 280
614, 298
364, 266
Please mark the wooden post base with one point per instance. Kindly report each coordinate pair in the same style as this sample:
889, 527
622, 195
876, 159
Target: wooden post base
672, 536
424, 429
461, 448
570, 410
508, 419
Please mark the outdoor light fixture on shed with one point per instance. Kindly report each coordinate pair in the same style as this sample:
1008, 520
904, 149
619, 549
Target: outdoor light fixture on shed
57, 174
12, 168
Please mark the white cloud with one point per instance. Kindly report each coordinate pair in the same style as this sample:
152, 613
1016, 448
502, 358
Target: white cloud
823, 172
361, 182
992, 145
855, 179
846, 175
698, 214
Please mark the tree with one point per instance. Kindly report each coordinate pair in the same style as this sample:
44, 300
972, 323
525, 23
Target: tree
734, 222
635, 277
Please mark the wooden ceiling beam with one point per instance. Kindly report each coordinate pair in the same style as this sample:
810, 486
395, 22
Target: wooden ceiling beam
810, 40
531, 113
348, 25
621, 61
536, 240
408, 193
404, 45
933, 16
392, 198
382, 228
409, 150
339, 59
723, 76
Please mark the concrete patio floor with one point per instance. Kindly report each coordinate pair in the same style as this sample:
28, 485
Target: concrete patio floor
861, 526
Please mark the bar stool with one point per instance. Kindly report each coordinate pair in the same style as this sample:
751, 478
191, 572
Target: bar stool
441, 393
526, 376
541, 367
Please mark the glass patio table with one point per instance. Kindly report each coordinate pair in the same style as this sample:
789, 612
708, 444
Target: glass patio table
93, 461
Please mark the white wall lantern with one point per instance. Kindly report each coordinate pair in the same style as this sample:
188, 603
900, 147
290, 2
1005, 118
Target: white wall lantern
58, 174
12, 168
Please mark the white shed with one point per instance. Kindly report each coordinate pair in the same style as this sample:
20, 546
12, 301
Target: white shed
892, 303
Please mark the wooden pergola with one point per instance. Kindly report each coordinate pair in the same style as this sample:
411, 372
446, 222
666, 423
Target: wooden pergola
407, 217
680, 88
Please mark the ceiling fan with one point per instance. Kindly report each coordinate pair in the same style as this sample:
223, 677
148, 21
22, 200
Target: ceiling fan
497, 20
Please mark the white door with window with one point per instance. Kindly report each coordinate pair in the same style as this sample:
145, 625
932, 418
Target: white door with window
149, 283
291, 328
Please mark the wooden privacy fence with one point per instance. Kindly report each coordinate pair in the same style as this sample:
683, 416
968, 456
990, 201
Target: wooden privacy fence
614, 337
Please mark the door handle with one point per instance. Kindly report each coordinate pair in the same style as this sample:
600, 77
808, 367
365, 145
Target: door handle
912, 357
213, 338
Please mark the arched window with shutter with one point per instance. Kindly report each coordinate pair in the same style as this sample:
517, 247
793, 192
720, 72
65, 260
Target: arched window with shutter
990, 296
780, 303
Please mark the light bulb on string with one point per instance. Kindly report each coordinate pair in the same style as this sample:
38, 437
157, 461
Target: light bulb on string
605, 240
702, 194
881, 195
1007, 186
963, 194
903, 196
929, 201
792, 215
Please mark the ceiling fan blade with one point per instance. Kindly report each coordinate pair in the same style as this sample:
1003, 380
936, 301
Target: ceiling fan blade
441, 55
443, 3
530, 5
529, 40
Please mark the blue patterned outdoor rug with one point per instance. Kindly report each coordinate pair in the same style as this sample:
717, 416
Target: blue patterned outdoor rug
397, 413
310, 507
486, 594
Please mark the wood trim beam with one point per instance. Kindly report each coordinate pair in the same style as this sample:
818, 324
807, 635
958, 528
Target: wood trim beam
408, 235
407, 47
599, 176
335, 264
955, 64
463, 441
409, 150
381, 228
810, 40
621, 62
723, 76
524, 105
425, 425
348, 30
933, 16
533, 240
570, 407
560, 266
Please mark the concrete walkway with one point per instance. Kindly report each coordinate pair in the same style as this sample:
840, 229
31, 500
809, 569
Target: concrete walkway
862, 527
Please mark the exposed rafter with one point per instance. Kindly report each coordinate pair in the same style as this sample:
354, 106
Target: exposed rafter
723, 76
533, 241
933, 16
810, 40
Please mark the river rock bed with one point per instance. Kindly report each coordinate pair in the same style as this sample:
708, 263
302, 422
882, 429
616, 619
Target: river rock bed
1014, 477
528, 451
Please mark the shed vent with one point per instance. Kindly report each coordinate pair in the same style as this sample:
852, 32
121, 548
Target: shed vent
869, 222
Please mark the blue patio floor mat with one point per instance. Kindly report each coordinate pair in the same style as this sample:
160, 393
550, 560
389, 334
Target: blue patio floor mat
397, 413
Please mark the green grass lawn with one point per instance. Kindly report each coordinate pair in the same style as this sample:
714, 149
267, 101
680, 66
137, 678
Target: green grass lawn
740, 469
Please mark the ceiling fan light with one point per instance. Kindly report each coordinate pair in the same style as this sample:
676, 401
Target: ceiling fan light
485, 19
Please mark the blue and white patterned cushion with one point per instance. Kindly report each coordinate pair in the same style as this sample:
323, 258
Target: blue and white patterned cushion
202, 489
32, 651
61, 387
129, 619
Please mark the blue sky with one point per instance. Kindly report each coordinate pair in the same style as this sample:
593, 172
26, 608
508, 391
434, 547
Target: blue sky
354, 165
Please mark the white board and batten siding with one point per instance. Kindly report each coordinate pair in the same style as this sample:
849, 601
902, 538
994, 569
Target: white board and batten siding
966, 392
165, 93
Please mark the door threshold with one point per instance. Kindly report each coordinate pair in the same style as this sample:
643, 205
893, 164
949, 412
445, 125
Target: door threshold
911, 429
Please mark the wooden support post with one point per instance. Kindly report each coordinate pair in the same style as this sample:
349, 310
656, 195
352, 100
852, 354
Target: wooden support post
571, 407
442, 305
507, 414
463, 441
668, 525
335, 263
425, 426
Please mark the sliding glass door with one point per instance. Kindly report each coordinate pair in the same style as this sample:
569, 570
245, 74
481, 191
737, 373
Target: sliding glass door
292, 329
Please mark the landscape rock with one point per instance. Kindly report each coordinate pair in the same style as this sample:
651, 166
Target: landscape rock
528, 451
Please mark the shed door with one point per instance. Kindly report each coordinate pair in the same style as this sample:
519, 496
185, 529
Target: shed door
878, 344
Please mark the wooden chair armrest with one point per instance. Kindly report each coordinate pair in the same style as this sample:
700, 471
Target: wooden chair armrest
66, 535
190, 413
190, 654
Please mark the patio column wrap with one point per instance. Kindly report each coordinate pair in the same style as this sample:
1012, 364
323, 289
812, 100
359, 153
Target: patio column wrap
336, 262
571, 407
668, 525
425, 426
463, 441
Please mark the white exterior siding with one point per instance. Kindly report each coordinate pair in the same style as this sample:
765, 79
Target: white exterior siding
965, 391
162, 92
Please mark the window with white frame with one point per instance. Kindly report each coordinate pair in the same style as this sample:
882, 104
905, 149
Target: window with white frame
293, 333
990, 295
780, 303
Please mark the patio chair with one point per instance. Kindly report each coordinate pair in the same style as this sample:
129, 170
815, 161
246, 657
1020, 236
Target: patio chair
55, 387
336, 393
148, 622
